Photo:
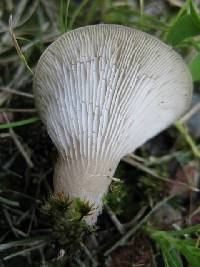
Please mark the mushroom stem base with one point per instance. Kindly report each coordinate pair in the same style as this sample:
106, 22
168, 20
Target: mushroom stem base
88, 182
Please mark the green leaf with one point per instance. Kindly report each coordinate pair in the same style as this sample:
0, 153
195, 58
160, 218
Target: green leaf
191, 253
194, 13
172, 243
76, 13
170, 254
183, 28
194, 67
18, 123
169, 251
62, 24
186, 231
171, 259
63, 15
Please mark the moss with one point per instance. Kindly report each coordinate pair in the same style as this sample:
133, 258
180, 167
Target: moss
66, 220
118, 197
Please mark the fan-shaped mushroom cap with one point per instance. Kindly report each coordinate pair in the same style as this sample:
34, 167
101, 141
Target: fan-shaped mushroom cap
102, 91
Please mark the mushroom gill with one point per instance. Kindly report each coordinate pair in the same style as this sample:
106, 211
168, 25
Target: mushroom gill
102, 91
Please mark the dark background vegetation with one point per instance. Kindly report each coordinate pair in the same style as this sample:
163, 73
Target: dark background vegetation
152, 214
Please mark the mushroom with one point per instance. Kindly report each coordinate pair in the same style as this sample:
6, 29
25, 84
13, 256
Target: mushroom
102, 91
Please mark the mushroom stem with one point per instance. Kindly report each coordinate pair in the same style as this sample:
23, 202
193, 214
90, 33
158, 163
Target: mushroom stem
90, 182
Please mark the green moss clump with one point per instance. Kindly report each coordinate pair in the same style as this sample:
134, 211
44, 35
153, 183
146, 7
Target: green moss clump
118, 197
65, 218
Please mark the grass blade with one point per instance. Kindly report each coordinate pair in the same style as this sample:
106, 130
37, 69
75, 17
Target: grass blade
19, 123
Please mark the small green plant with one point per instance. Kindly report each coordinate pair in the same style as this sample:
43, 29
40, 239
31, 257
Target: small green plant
65, 218
176, 245
117, 198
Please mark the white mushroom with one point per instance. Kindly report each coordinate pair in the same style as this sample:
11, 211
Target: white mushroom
102, 91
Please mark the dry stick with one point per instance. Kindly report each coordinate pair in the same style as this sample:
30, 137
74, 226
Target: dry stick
50, 13
21, 148
165, 158
190, 113
15, 231
18, 49
136, 218
94, 240
114, 179
61, 254
43, 261
31, 222
19, 145
132, 231
15, 92
88, 253
9, 221
2, 238
158, 160
140, 159
114, 219
5, 135
192, 196
140, 166
80, 263
196, 211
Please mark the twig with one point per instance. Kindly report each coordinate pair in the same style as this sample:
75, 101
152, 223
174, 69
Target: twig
19, 52
158, 160
61, 254
136, 218
190, 113
31, 221
5, 135
12, 91
140, 159
15, 231
114, 219
196, 211
21, 148
88, 253
165, 158
94, 240
19, 145
80, 263
43, 261
132, 231
24, 251
9, 221
140, 166
114, 179
2, 238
